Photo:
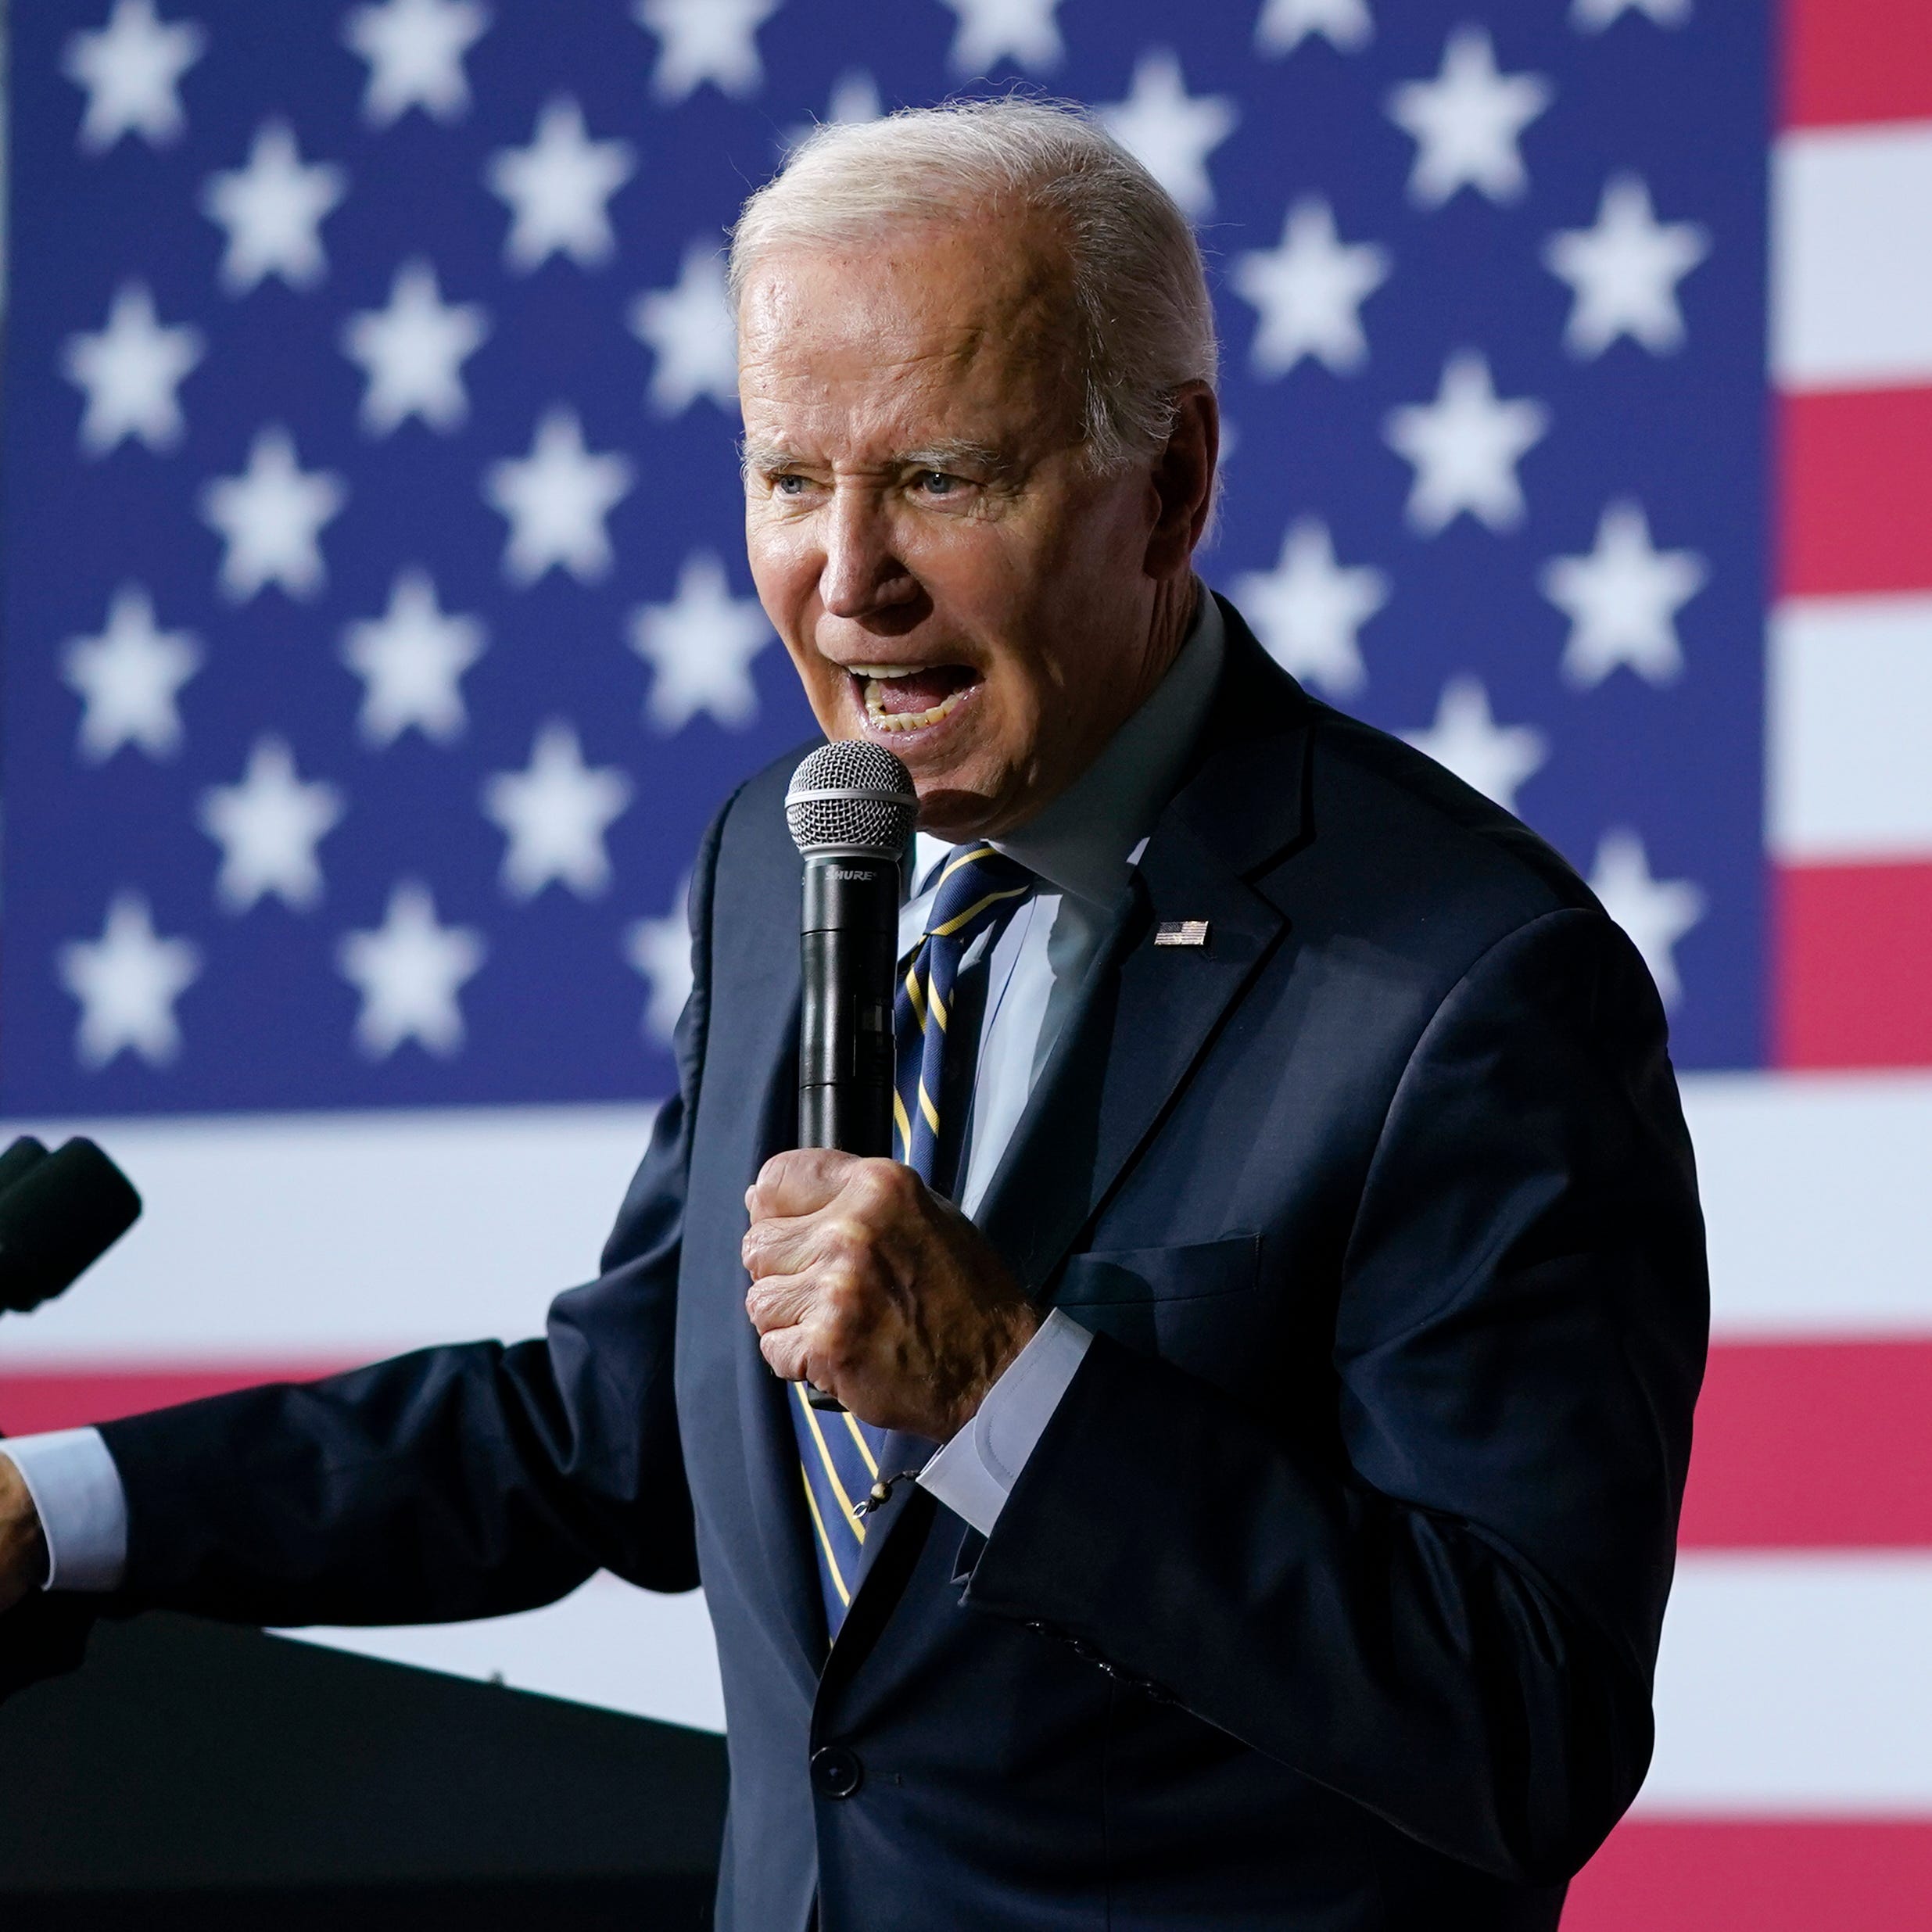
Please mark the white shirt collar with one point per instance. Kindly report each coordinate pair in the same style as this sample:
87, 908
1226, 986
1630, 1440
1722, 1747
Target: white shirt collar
1083, 841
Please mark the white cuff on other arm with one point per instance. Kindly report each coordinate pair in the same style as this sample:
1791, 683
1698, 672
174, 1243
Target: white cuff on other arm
82, 1508
974, 1473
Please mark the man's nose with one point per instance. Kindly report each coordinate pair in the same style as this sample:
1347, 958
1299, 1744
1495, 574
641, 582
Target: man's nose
863, 572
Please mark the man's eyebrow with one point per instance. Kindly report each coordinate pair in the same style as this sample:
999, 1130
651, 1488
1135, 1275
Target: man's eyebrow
758, 458
755, 458
956, 455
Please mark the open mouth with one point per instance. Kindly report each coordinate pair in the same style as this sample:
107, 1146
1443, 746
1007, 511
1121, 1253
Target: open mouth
907, 697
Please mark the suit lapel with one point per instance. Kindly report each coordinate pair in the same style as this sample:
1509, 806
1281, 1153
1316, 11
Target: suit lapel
771, 1446
1144, 1013
763, 972
1143, 1016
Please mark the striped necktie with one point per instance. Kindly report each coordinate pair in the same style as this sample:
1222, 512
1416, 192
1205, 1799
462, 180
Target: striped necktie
977, 891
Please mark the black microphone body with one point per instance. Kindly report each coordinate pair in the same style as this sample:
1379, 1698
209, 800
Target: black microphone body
849, 936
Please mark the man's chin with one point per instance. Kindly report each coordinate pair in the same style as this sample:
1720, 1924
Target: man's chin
972, 798
960, 797
956, 814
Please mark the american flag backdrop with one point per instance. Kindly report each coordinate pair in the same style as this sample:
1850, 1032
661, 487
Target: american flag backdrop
378, 641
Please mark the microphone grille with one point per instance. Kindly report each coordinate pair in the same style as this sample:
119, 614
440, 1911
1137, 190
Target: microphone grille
851, 796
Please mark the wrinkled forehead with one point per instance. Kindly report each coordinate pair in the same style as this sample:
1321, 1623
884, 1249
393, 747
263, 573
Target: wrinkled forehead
919, 326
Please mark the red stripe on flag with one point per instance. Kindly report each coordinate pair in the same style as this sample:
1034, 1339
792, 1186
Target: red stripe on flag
1852, 946
1816, 1445
1848, 61
1857, 483
59, 1399
1780, 1875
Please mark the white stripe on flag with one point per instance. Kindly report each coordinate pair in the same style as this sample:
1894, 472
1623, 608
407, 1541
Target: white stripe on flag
1815, 1196
1852, 257
1796, 1685
1848, 737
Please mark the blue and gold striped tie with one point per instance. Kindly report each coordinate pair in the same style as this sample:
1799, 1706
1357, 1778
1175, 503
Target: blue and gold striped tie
978, 890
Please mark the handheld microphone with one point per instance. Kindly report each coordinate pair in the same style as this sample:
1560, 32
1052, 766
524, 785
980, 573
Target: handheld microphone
60, 1214
850, 807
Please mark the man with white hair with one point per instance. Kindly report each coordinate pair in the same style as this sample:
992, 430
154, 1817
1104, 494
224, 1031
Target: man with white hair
1290, 1301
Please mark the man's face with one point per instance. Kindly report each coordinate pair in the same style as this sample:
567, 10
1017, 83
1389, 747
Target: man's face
951, 580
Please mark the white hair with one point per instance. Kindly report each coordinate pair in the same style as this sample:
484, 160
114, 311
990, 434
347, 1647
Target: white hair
1146, 325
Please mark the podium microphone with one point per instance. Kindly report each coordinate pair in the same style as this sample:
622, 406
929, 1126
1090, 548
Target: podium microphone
60, 1214
850, 808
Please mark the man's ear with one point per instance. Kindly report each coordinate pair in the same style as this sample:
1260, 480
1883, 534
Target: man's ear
1183, 482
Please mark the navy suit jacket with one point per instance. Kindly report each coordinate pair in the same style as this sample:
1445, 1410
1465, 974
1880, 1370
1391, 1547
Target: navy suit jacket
1330, 1596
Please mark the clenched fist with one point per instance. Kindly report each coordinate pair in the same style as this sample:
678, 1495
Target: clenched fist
867, 1283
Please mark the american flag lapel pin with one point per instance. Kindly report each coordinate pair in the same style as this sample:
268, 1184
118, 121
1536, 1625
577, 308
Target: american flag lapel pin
1180, 932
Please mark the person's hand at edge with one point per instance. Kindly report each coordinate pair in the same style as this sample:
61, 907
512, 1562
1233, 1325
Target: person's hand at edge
23, 1547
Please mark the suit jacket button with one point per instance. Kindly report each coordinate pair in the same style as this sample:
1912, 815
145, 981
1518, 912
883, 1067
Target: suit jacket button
836, 1771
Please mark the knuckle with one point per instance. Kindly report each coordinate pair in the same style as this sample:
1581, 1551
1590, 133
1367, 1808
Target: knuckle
832, 1354
887, 1182
845, 1296
846, 1237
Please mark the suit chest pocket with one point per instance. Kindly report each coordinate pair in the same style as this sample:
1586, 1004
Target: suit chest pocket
1197, 1306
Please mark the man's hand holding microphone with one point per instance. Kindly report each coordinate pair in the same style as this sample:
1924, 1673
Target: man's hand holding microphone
866, 1284
876, 1290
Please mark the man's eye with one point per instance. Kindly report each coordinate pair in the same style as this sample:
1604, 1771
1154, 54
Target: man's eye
936, 482
790, 484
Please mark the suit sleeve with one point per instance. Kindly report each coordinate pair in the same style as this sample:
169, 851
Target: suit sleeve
1453, 1621
454, 1482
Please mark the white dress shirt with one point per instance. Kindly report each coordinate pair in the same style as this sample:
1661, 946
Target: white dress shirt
1081, 847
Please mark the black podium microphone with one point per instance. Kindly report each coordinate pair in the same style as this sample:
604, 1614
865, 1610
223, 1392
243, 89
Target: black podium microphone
19, 1159
850, 807
60, 1214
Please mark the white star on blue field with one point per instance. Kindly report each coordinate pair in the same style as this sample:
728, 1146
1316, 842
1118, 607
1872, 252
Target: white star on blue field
380, 636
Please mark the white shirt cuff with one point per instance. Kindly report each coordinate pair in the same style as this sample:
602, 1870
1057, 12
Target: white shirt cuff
82, 1508
974, 1473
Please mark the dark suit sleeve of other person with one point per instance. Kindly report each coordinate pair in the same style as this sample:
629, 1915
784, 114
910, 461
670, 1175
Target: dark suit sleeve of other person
454, 1483
1451, 1619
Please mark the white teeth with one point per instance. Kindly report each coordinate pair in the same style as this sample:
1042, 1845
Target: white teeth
887, 671
904, 720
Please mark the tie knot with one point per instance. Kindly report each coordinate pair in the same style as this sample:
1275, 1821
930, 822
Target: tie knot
977, 886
